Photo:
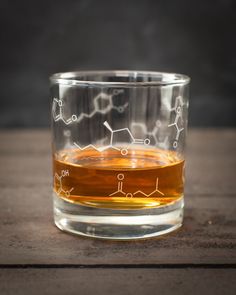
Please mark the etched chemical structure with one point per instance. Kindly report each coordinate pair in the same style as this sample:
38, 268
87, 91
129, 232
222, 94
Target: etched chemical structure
57, 103
120, 191
178, 109
98, 107
153, 133
58, 185
114, 137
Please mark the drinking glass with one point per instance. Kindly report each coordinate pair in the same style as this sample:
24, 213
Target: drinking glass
118, 141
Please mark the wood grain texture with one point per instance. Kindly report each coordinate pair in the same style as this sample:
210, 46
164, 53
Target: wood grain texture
28, 236
199, 258
118, 281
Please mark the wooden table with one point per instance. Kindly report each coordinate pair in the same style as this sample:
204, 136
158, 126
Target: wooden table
37, 258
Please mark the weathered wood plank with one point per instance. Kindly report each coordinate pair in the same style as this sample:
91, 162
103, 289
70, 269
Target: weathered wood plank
27, 235
118, 281
211, 160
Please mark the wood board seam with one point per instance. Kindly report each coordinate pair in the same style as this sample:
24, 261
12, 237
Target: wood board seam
117, 266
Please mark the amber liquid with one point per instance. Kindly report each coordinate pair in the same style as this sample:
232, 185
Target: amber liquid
144, 178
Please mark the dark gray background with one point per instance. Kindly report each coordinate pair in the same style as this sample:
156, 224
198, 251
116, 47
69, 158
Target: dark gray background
39, 38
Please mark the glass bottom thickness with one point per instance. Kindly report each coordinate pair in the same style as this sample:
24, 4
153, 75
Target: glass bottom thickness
117, 224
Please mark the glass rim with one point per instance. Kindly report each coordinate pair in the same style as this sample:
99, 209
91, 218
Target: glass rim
168, 78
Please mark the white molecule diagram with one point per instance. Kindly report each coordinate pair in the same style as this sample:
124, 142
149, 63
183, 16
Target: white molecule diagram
57, 103
178, 109
98, 108
153, 133
115, 134
120, 191
59, 185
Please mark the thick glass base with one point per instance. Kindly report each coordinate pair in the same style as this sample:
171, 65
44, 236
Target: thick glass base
117, 224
